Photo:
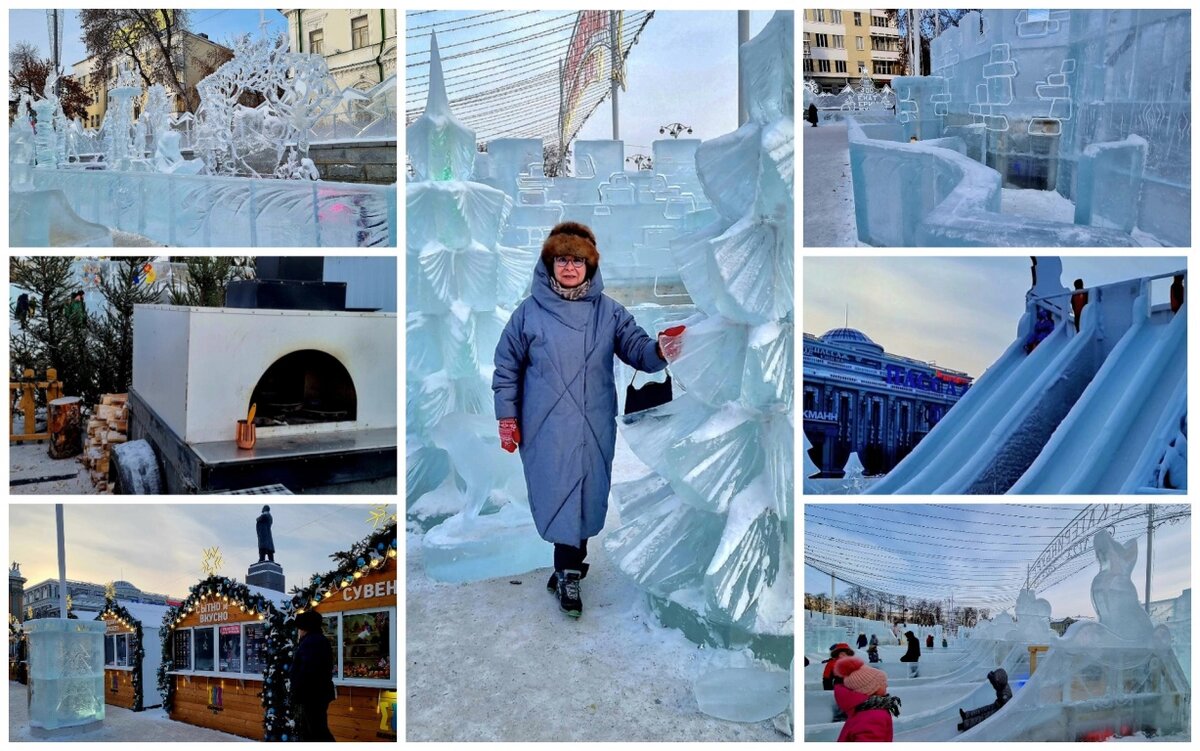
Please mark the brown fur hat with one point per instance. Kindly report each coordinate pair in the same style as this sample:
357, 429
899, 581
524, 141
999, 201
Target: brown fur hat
571, 239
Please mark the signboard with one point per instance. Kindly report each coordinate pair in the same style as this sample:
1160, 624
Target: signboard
812, 414
183, 650
256, 648
229, 644
214, 611
921, 380
363, 591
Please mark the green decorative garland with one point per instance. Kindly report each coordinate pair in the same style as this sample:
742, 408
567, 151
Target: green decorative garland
112, 607
277, 724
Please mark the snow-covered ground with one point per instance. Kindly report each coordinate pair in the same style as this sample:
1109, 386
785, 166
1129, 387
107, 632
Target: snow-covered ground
119, 725
497, 661
28, 461
828, 191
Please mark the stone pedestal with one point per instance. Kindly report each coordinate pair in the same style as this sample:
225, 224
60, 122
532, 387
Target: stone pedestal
266, 574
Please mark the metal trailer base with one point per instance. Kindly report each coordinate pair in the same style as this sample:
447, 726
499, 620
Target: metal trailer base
349, 461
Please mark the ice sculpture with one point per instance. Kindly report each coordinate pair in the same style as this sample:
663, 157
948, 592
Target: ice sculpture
66, 672
1118, 676
462, 285
1080, 107
143, 185
1033, 619
708, 534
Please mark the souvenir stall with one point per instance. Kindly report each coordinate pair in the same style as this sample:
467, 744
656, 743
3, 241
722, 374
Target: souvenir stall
357, 602
216, 649
132, 651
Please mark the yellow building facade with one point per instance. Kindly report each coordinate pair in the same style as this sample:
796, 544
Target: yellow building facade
840, 45
201, 56
359, 45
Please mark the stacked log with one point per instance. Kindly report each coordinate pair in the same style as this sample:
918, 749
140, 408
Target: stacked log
108, 425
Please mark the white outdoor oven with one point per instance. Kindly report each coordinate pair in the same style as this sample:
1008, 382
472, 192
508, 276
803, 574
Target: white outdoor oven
323, 382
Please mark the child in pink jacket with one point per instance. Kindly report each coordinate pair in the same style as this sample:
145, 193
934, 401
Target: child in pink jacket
863, 696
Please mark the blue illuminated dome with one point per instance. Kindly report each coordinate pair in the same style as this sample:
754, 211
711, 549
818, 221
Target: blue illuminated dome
851, 338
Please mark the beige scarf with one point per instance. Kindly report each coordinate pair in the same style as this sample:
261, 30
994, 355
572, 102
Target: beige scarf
570, 293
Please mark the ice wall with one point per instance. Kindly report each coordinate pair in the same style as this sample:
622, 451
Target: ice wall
1037, 88
708, 534
66, 672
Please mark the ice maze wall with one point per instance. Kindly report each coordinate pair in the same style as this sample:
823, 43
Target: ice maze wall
1038, 88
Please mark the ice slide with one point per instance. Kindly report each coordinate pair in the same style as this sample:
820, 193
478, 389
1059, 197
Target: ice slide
961, 448
1107, 442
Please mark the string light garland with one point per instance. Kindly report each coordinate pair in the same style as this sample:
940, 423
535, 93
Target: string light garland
117, 611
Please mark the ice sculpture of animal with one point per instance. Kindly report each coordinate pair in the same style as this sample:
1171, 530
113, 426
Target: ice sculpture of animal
1033, 618
1113, 593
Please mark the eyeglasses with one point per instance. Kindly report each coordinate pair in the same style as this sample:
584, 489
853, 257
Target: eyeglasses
563, 261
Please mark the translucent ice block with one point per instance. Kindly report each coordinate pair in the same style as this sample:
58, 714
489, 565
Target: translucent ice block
470, 548
743, 694
66, 672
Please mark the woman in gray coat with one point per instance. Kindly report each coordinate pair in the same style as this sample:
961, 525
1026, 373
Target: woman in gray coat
555, 397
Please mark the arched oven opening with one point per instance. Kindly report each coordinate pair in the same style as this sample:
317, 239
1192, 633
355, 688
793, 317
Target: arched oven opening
304, 387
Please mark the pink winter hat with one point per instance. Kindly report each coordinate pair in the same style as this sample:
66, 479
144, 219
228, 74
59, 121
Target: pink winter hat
856, 676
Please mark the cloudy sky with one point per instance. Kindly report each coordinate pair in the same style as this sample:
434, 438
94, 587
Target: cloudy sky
683, 69
220, 25
958, 312
978, 551
159, 547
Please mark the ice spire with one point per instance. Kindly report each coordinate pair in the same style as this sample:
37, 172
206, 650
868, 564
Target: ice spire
439, 147
438, 104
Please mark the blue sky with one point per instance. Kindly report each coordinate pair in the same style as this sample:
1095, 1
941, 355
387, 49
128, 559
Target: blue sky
159, 547
220, 25
979, 551
958, 312
683, 69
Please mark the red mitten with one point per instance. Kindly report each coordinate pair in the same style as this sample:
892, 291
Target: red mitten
510, 434
670, 342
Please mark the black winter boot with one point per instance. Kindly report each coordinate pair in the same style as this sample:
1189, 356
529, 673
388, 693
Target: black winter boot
552, 584
568, 593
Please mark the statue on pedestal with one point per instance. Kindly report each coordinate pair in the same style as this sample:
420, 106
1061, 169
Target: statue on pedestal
266, 545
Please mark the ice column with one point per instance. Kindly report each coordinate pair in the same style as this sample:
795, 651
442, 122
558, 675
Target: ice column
462, 286
66, 672
708, 534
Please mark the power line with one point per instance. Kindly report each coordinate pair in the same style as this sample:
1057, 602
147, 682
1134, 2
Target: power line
445, 25
477, 40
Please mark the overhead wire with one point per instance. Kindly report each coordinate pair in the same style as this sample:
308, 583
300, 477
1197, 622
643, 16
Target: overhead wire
476, 51
447, 25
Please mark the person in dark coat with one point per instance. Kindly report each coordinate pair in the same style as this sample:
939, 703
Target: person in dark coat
1078, 300
556, 400
811, 114
972, 717
1177, 293
929, 641
873, 649
862, 641
312, 679
913, 655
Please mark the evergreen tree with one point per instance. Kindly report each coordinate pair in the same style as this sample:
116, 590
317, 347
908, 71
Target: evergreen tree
112, 329
206, 279
52, 334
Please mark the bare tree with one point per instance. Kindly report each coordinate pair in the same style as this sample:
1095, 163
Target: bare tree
27, 74
150, 42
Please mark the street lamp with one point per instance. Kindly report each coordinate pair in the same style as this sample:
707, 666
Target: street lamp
674, 129
642, 161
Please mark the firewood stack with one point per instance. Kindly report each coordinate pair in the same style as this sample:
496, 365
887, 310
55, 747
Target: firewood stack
109, 424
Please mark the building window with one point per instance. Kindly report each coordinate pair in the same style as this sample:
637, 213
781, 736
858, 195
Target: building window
358, 32
822, 40
839, 42
808, 66
203, 649
839, 66
858, 43
110, 651
880, 21
316, 42
835, 16
858, 19
822, 66
819, 16
862, 68
256, 648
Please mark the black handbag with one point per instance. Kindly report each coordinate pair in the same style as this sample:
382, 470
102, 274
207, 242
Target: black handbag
653, 394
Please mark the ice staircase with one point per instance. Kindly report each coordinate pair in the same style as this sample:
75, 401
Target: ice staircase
1086, 412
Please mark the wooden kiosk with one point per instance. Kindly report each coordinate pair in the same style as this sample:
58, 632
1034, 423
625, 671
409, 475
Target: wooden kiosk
132, 652
215, 653
358, 606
